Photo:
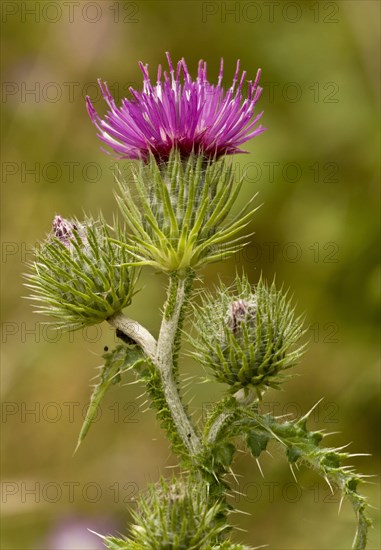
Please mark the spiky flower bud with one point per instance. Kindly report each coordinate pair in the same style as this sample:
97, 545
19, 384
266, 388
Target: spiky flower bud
178, 515
247, 336
79, 275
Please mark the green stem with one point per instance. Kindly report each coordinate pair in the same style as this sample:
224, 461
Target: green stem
163, 356
166, 350
229, 412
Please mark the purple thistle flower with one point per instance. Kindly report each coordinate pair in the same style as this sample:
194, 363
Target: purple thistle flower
240, 311
64, 230
179, 113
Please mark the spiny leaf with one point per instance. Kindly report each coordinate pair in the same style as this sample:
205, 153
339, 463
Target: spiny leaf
302, 444
223, 453
118, 361
257, 442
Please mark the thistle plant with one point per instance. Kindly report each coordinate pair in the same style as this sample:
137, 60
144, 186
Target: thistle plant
178, 136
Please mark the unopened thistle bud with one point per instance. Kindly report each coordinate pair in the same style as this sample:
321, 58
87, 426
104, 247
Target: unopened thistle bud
79, 275
176, 515
247, 336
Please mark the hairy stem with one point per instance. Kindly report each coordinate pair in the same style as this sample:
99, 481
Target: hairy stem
241, 397
218, 425
163, 353
136, 332
166, 349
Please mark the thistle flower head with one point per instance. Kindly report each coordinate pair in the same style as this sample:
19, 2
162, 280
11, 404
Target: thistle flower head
192, 116
79, 276
247, 336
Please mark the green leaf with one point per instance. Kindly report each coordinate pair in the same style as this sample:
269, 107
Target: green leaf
293, 454
304, 445
118, 361
223, 453
257, 442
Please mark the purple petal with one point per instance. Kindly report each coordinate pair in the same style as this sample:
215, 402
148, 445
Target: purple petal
180, 113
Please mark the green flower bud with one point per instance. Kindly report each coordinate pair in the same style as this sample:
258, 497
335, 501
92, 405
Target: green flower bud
247, 336
79, 275
177, 515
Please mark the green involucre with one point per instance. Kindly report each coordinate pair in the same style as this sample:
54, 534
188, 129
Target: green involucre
83, 282
177, 515
177, 213
247, 336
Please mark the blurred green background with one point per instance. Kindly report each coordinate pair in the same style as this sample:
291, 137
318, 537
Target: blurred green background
316, 171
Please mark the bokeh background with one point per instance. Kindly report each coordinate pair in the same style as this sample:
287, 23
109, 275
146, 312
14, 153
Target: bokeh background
316, 171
